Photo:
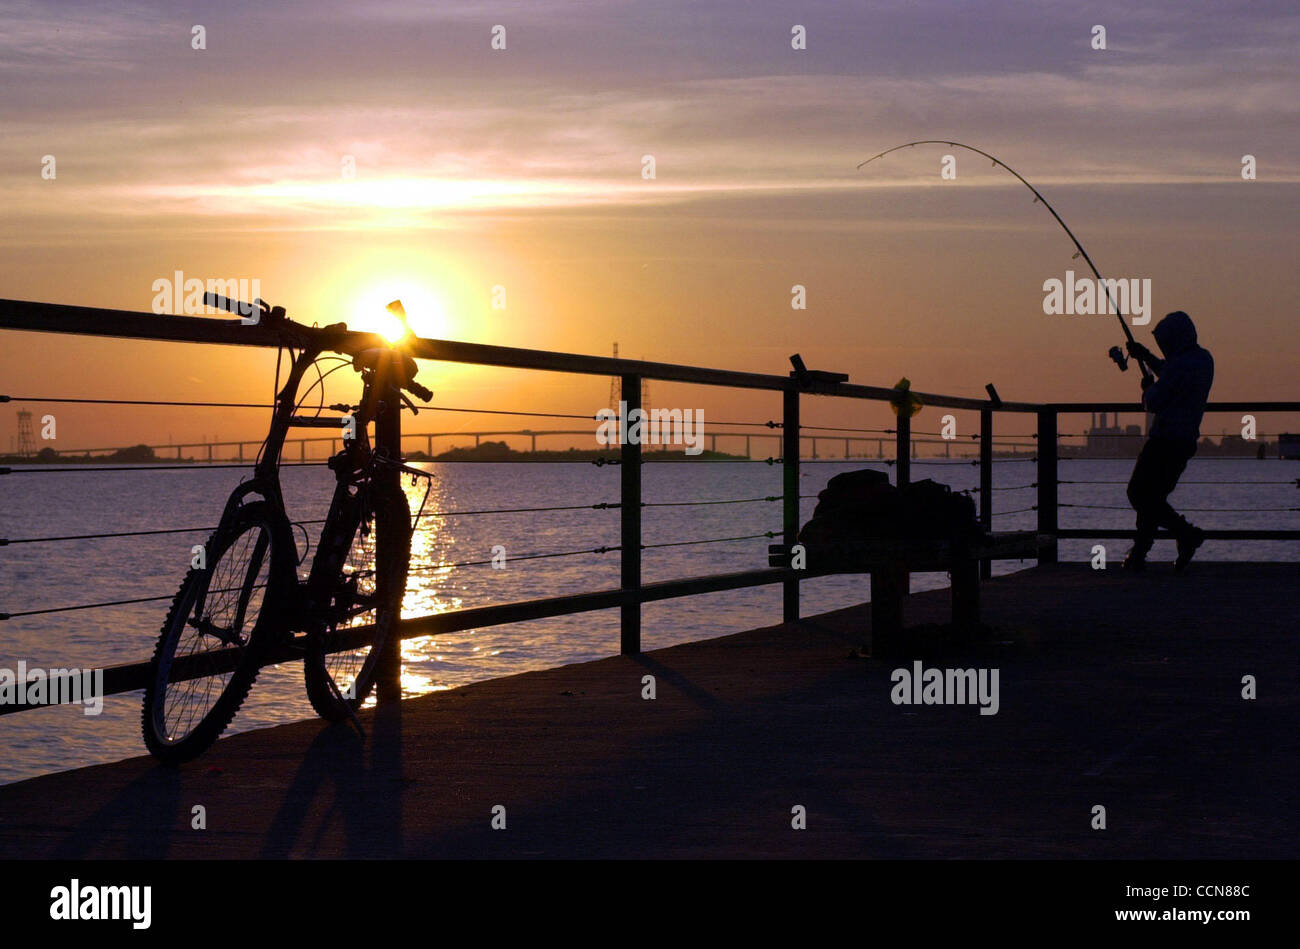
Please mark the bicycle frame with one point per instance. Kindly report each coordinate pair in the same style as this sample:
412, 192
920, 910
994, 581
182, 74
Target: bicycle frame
266, 473
358, 467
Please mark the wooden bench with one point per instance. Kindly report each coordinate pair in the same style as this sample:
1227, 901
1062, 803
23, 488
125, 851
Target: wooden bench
891, 562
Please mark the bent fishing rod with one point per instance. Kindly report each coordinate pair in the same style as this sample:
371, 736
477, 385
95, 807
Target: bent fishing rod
1115, 352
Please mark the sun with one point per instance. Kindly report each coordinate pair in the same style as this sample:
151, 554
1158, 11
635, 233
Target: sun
424, 310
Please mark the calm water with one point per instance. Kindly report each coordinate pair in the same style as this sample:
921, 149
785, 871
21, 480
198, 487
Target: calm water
40, 575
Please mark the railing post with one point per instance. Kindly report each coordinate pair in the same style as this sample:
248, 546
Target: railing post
1047, 482
630, 582
888, 592
790, 492
986, 482
388, 437
903, 449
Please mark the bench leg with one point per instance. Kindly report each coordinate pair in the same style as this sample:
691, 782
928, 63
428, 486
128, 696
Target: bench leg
888, 587
966, 598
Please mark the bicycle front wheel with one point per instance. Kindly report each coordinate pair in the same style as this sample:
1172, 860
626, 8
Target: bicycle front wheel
342, 661
215, 635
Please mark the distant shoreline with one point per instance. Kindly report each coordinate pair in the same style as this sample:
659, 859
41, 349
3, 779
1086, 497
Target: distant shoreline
485, 452
500, 452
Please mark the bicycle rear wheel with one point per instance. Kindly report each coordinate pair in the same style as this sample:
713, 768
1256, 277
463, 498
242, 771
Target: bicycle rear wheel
216, 633
342, 661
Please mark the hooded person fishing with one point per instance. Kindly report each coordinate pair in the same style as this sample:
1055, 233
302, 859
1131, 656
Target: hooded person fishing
1174, 389
1176, 395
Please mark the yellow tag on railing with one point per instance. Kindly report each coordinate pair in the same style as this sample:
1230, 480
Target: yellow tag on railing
906, 398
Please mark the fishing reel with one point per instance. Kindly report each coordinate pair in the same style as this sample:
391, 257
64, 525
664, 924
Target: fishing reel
1121, 360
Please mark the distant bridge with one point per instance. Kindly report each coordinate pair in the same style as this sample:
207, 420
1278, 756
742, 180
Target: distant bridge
236, 449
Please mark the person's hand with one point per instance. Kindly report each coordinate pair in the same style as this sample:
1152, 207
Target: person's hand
1138, 351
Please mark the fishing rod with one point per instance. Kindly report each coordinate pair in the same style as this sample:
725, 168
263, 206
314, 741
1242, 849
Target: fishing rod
1115, 352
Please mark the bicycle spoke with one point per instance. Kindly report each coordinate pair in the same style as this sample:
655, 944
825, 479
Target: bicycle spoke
220, 615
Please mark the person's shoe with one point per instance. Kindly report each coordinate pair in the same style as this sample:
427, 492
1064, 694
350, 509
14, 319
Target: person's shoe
1188, 543
1135, 561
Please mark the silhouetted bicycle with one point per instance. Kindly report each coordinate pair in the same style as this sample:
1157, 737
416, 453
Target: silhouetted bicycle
243, 603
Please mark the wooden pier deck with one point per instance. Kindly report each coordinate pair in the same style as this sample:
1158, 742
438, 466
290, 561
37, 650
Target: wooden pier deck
1114, 690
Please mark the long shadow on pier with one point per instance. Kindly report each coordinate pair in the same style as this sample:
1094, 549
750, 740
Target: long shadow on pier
339, 784
128, 820
1115, 691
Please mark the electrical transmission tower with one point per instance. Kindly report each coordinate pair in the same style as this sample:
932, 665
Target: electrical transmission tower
26, 439
616, 389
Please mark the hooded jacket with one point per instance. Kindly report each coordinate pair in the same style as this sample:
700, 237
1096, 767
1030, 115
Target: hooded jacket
1179, 394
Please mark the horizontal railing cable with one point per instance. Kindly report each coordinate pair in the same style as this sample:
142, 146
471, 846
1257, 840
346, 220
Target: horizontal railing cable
771, 424
1258, 435
1199, 510
194, 466
92, 606
1294, 482
770, 497
594, 550
6, 541
86, 606
169, 596
591, 550
1251, 458
217, 405
829, 428
713, 540
601, 506
480, 563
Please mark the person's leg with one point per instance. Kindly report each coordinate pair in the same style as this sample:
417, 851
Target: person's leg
1169, 462
1144, 495
1189, 536
1156, 475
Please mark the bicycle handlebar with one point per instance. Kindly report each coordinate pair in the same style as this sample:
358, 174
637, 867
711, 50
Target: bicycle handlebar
239, 307
276, 317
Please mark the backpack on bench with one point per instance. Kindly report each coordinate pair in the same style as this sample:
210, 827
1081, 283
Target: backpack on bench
859, 506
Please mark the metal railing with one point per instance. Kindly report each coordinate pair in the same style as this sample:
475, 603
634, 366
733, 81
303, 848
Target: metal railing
632, 592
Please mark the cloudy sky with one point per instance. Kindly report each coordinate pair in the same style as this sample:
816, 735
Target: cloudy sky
522, 168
